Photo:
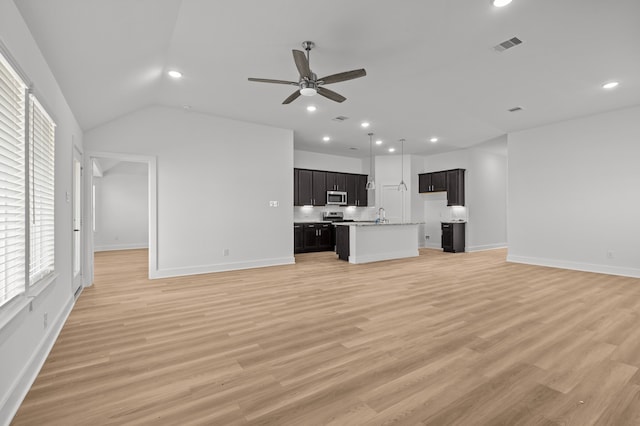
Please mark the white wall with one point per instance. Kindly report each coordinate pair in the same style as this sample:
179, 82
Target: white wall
122, 208
574, 194
485, 197
215, 179
24, 341
332, 163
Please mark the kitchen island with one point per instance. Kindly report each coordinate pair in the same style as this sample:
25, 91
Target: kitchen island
364, 242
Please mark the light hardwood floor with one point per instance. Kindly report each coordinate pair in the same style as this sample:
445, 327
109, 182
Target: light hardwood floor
442, 339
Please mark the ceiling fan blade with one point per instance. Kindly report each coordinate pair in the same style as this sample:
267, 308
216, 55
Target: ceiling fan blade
330, 94
292, 98
343, 76
301, 63
267, 80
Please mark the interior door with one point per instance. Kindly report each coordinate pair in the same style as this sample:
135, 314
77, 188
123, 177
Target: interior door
77, 220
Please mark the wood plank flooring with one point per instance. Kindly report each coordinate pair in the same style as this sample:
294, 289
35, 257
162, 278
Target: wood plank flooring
441, 339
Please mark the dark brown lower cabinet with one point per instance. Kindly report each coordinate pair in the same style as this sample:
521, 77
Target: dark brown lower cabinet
313, 237
297, 239
453, 237
342, 242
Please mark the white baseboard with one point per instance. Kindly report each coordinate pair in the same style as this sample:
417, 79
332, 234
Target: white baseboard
222, 267
486, 247
433, 245
576, 266
19, 389
113, 247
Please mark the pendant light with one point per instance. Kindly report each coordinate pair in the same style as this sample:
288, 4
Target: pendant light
402, 186
371, 184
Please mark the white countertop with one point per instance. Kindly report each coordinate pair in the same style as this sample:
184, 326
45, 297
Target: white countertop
377, 224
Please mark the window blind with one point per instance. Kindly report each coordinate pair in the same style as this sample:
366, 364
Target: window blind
41, 192
12, 183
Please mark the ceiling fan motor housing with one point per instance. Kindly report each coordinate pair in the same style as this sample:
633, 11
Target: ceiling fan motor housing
308, 87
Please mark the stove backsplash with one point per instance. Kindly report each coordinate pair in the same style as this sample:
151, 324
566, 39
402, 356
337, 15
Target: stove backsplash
310, 214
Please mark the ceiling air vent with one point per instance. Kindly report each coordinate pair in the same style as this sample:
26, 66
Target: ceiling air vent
515, 109
340, 118
507, 44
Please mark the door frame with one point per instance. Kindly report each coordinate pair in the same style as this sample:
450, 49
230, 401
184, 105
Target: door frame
151, 162
77, 281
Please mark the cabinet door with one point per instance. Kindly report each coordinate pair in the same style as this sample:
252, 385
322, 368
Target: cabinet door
336, 181
309, 237
424, 182
352, 184
341, 181
296, 176
447, 237
361, 191
319, 188
438, 181
305, 187
455, 187
298, 245
325, 238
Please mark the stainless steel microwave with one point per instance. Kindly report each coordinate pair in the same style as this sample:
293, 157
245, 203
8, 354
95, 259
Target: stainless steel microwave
336, 198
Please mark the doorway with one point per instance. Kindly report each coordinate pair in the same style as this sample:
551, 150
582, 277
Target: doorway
123, 208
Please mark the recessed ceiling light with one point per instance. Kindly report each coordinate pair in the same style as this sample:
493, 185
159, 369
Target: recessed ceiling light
392, 149
311, 108
326, 138
500, 3
175, 74
365, 124
434, 140
378, 142
610, 85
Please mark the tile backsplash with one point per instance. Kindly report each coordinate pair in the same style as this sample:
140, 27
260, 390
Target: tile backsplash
310, 214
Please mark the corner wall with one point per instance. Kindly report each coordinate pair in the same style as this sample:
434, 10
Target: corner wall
574, 194
485, 197
24, 339
215, 180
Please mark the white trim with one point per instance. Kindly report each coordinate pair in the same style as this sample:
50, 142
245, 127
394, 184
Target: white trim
113, 247
152, 172
486, 247
576, 266
222, 267
433, 246
16, 393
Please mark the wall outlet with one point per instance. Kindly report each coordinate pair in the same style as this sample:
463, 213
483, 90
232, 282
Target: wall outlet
426, 237
46, 319
609, 254
225, 252
274, 203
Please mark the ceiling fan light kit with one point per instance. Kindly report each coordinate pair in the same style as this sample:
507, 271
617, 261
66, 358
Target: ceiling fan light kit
308, 82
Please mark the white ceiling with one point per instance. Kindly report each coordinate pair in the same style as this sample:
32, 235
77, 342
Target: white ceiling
431, 69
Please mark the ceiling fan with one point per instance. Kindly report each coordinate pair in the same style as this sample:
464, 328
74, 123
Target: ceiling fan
309, 84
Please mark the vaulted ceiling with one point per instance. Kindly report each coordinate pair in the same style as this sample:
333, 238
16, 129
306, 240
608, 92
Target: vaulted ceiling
431, 67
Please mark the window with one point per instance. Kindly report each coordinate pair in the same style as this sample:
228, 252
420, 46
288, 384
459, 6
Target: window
12, 183
27, 135
41, 190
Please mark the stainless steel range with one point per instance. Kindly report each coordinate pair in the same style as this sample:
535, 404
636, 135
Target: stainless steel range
335, 217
